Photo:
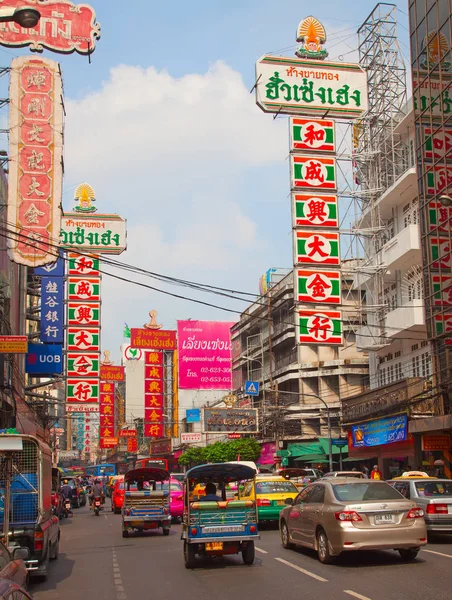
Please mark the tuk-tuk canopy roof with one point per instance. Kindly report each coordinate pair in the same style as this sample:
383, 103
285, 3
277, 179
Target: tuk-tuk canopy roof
221, 472
147, 474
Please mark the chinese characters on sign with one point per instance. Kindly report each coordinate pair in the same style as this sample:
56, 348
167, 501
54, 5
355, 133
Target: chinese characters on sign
311, 210
320, 327
319, 287
306, 134
317, 247
52, 310
107, 421
35, 160
154, 393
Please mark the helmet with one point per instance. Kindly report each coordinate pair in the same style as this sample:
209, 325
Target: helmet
65, 482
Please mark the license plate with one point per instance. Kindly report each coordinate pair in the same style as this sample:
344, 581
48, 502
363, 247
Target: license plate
214, 545
382, 519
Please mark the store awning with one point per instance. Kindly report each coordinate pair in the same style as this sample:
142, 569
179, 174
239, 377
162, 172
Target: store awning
304, 449
311, 458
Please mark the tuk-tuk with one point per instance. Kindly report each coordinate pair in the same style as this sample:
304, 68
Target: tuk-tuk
214, 525
144, 506
297, 476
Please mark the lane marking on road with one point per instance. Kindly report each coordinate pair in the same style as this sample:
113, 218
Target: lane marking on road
117, 579
308, 573
438, 553
356, 595
260, 550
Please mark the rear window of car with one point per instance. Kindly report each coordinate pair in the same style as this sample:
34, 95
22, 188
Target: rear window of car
174, 486
120, 485
275, 487
434, 489
360, 492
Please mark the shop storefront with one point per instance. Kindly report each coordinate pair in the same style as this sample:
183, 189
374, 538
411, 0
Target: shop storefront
433, 444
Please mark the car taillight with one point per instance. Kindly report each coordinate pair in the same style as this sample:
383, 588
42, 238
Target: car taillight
128, 512
194, 530
347, 515
437, 509
39, 540
263, 502
415, 513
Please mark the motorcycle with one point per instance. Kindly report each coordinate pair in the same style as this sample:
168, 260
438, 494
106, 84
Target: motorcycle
67, 508
97, 503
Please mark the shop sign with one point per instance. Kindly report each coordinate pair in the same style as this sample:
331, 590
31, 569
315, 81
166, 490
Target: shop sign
431, 443
286, 85
307, 134
160, 447
438, 143
312, 247
81, 390
234, 436
438, 179
112, 373
193, 415
313, 210
159, 339
84, 313
153, 429
84, 289
83, 408
54, 269
234, 420
319, 286
313, 172
442, 290
83, 339
13, 344
35, 159
320, 327
97, 233
190, 438
132, 444
127, 433
44, 359
439, 252
380, 432
81, 266
63, 27
443, 323
52, 310
107, 441
82, 364
439, 217
130, 353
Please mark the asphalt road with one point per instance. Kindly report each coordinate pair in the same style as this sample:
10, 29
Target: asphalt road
96, 563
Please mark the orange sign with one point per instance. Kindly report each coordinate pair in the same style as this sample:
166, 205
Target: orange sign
157, 339
14, 344
112, 373
435, 442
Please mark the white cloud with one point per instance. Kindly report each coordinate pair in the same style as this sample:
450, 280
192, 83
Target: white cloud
180, 159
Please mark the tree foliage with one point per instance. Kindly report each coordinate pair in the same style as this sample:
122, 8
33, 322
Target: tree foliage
242, 449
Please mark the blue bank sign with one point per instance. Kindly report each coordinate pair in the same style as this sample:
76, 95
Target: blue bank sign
381, 431
44, 359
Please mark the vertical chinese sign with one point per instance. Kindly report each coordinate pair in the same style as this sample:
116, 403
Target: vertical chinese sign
35, 160
107, 437
153, 394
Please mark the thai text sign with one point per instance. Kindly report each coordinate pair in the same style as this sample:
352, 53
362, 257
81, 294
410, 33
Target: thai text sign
314, 210
127, 433
35, 160
313, 172
94, 233
306, 134
313, 247
63, 27
430, 443
319, 286
112, 373
52, 310
14, 344
380, 432
190, 438
84, 408
225, 420
205, 355
155, 339
317, 327
308, 87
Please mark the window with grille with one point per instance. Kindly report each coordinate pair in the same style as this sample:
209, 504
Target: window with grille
416, 364
410, 214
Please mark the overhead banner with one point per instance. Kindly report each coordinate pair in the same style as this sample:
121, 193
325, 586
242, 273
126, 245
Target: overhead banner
380, 432
205, 355
35, 160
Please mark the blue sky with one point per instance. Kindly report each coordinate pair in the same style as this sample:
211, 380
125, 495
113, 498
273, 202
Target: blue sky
162, 126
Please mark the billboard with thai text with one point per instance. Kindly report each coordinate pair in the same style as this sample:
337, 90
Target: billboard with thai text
205, 355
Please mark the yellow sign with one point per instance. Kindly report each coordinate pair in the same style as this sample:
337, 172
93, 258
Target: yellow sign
13, 344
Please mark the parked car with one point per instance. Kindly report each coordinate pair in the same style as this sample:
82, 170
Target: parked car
11, 591
12, 566
433, 495
340, 514
270, 493
356, 474
117, 496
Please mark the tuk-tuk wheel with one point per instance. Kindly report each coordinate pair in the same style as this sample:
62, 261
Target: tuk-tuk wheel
165, 531
248, 553
189, 555
125, 533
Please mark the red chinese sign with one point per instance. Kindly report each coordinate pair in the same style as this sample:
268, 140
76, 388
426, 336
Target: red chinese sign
320, 327
132, 444
155, 339
112, 373
128, 433
312, 135
154, 401
107, 437
35, 153
63, 27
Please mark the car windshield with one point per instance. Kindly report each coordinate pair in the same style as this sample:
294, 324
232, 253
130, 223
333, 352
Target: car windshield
275, 487
174, 486
359, 492
434, 489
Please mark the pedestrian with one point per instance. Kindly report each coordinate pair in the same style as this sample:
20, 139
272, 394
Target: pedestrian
376, 473
365, 471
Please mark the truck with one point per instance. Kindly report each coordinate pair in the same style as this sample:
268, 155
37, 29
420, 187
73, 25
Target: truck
26, 514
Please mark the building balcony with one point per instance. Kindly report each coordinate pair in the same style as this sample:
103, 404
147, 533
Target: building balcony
400, 192
403, 250
370, 339
409, 317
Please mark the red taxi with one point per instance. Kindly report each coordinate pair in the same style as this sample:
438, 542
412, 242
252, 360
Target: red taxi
117, 496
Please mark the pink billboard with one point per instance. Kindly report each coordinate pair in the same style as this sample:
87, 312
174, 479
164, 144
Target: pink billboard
205, 361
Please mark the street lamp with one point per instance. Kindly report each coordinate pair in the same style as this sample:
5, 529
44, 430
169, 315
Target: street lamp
445, 200
24, 16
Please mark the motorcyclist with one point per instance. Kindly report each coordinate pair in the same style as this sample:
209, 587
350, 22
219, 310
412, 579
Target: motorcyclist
66, 490
97, 491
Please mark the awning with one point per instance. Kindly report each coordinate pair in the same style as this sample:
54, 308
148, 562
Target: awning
311, 458
304, 449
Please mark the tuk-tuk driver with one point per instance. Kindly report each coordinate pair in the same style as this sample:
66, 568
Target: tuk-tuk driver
211, 494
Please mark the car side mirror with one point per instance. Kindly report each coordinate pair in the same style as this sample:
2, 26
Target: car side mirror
288, 501
21, 553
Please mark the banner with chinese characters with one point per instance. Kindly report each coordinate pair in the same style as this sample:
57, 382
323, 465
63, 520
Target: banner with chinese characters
82, 391
35, 160
442, 290
320, 327
314, 136
154, 400
313, 172
439, 216
107, 415
313, 247
319, 286
313, 210
52, 310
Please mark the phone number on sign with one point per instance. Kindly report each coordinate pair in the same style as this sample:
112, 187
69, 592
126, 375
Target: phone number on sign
215, 370
215, 380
